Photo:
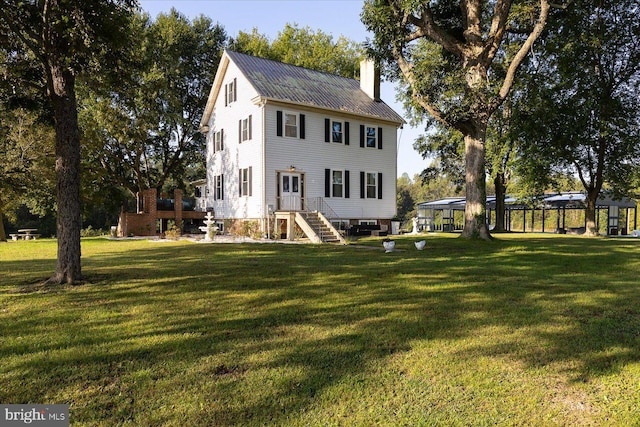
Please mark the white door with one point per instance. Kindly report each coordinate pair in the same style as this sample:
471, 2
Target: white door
290, 196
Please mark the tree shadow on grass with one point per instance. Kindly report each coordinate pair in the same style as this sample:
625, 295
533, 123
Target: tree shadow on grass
254, 334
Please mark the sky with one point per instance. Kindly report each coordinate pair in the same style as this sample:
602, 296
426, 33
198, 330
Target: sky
335, 17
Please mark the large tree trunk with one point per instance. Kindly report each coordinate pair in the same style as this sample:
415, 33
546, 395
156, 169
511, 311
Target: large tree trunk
3, 233
68, 224
590, 213
475, 213
501, 189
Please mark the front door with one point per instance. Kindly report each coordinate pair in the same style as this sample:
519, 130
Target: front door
290, 192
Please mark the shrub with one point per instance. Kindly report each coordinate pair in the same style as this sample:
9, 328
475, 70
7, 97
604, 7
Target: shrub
246, 229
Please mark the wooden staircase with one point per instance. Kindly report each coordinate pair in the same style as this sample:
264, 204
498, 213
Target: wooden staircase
318, 228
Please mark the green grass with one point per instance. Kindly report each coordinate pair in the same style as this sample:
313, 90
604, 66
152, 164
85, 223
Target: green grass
526, 330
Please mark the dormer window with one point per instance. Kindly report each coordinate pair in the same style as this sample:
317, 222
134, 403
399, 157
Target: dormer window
231, 92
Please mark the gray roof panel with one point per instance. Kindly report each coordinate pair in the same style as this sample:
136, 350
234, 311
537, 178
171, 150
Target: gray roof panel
289, 83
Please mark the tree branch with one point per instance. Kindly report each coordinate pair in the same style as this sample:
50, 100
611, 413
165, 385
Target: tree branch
430, 29
520, 55
407, 72
498, 26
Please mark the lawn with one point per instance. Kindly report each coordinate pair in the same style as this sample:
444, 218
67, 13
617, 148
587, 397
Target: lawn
526, 330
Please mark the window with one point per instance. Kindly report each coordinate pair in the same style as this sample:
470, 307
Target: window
218, 141
336, 183
370, 135
336, 131
230, 92
371, 186
245, 182
245, 129
218, 184
291, 125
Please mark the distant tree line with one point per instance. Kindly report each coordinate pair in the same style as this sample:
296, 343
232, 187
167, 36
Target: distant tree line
138, 115
570, 113
99, 101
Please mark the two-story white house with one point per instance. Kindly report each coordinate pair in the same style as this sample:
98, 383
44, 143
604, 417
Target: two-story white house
286, 144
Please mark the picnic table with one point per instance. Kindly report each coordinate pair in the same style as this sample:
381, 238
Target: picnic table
25, 234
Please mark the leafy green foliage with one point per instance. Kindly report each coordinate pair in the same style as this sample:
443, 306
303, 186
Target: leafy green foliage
303, 47
142, 129
457, 66
579, 113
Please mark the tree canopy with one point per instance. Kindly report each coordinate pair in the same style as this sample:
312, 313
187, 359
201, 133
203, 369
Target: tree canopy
453, 64
303, 47
65, 38
579, 114
142, 128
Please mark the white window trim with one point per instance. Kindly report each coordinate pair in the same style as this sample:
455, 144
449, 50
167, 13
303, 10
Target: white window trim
218, 187
218, 144
284, 124
332, 121
368, 222
366, 138
341, 185
231, 88
245, 130
366, 185
244, 172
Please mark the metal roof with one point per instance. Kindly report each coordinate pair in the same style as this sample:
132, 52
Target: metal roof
278, 81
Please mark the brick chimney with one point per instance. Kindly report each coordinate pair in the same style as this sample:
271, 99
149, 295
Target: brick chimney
370, 79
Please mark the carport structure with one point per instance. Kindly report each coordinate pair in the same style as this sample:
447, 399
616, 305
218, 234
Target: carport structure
448, 214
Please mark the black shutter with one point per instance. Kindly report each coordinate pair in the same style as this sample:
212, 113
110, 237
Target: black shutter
346, 133
279, 195
327, 130
380, 185
222, 187
346, 184
362, 136
362, 182
240, 182
226, 94
327, 183
379, 138
235, 89
250, 178
240, 131
250, 126
215, 187
221, 139
302, 126
279, 123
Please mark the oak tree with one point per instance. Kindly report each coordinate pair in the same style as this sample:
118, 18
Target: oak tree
445, 55
64, 38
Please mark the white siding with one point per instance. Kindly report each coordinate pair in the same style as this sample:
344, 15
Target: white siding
313, 155
268, 154
235, 155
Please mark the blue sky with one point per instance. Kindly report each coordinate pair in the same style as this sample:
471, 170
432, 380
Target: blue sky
335, 17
